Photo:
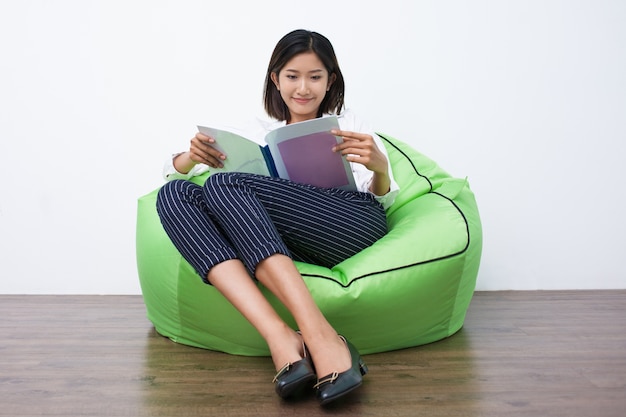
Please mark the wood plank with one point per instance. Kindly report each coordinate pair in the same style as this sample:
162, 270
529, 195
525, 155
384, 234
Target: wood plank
540, 353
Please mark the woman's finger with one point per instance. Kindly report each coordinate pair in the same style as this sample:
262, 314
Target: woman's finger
202, 151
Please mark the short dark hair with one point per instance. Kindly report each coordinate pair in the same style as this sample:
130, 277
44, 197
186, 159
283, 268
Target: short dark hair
294, 43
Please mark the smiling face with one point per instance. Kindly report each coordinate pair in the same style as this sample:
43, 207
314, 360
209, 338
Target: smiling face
303, 83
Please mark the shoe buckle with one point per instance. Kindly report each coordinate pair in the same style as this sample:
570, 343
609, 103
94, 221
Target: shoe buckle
281, 371
329, 379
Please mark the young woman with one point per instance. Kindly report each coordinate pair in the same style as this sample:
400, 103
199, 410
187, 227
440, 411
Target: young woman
240, 225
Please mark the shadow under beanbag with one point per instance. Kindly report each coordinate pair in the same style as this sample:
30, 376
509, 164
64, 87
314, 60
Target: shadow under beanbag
410, 288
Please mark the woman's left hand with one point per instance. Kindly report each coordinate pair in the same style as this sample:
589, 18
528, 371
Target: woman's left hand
361, 148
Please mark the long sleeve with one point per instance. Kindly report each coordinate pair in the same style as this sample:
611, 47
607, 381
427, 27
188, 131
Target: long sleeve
170, 173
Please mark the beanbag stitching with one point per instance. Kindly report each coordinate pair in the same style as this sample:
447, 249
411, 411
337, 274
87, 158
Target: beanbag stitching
386, 139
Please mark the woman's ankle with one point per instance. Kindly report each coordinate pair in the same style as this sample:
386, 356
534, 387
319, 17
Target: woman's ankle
285, 348
330, 355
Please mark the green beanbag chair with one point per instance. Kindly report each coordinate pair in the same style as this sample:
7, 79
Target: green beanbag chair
412, 287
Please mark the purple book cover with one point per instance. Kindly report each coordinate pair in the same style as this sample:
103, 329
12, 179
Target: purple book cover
309, 159
302, 152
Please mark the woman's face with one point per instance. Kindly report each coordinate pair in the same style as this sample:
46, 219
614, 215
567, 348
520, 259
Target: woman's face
303, 83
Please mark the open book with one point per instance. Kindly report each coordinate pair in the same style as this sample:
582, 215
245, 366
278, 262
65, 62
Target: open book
300, 152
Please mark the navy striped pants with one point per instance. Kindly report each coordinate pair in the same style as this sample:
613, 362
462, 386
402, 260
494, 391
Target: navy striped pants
251, 217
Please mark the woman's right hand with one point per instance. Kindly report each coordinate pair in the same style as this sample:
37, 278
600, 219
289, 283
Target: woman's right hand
200, 151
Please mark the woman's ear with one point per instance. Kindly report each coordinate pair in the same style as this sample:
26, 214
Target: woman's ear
331, 80
274, 77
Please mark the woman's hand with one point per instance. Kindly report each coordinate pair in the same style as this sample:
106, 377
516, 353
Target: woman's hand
200, 151
361, 148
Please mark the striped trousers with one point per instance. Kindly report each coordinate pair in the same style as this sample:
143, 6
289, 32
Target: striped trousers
251, 217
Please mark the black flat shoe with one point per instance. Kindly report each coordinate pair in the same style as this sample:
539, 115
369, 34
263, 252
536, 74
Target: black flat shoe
293, 378
336, 385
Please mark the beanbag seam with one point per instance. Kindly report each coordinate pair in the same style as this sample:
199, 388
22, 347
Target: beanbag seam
386, 139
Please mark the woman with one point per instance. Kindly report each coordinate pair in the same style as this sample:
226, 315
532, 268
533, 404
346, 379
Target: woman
240, 225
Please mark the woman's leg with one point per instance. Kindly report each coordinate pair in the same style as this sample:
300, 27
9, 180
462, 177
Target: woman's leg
279, 274
187, 220
320, 226
324, 227
232, 280
263, 215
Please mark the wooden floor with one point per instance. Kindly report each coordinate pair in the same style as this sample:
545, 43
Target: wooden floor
520, 354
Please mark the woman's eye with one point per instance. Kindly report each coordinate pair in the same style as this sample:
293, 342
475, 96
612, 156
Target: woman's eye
291, 77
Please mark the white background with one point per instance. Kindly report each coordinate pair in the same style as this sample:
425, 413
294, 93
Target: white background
525, 98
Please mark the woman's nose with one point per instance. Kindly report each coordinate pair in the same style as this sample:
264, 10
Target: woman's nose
303, 88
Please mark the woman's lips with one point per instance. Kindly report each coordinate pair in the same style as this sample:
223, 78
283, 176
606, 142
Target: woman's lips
302, 100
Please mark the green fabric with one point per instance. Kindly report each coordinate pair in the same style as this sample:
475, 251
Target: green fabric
411, 287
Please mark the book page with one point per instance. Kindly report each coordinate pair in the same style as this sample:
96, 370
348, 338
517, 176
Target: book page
242, 155
303, 153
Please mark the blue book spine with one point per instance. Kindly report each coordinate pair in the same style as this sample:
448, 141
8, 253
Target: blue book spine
269, 160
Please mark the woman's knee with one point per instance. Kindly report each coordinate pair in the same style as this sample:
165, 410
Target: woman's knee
168, 190
222, 183
173, 192
220, 179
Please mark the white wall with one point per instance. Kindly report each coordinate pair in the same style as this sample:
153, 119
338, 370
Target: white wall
525, 98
